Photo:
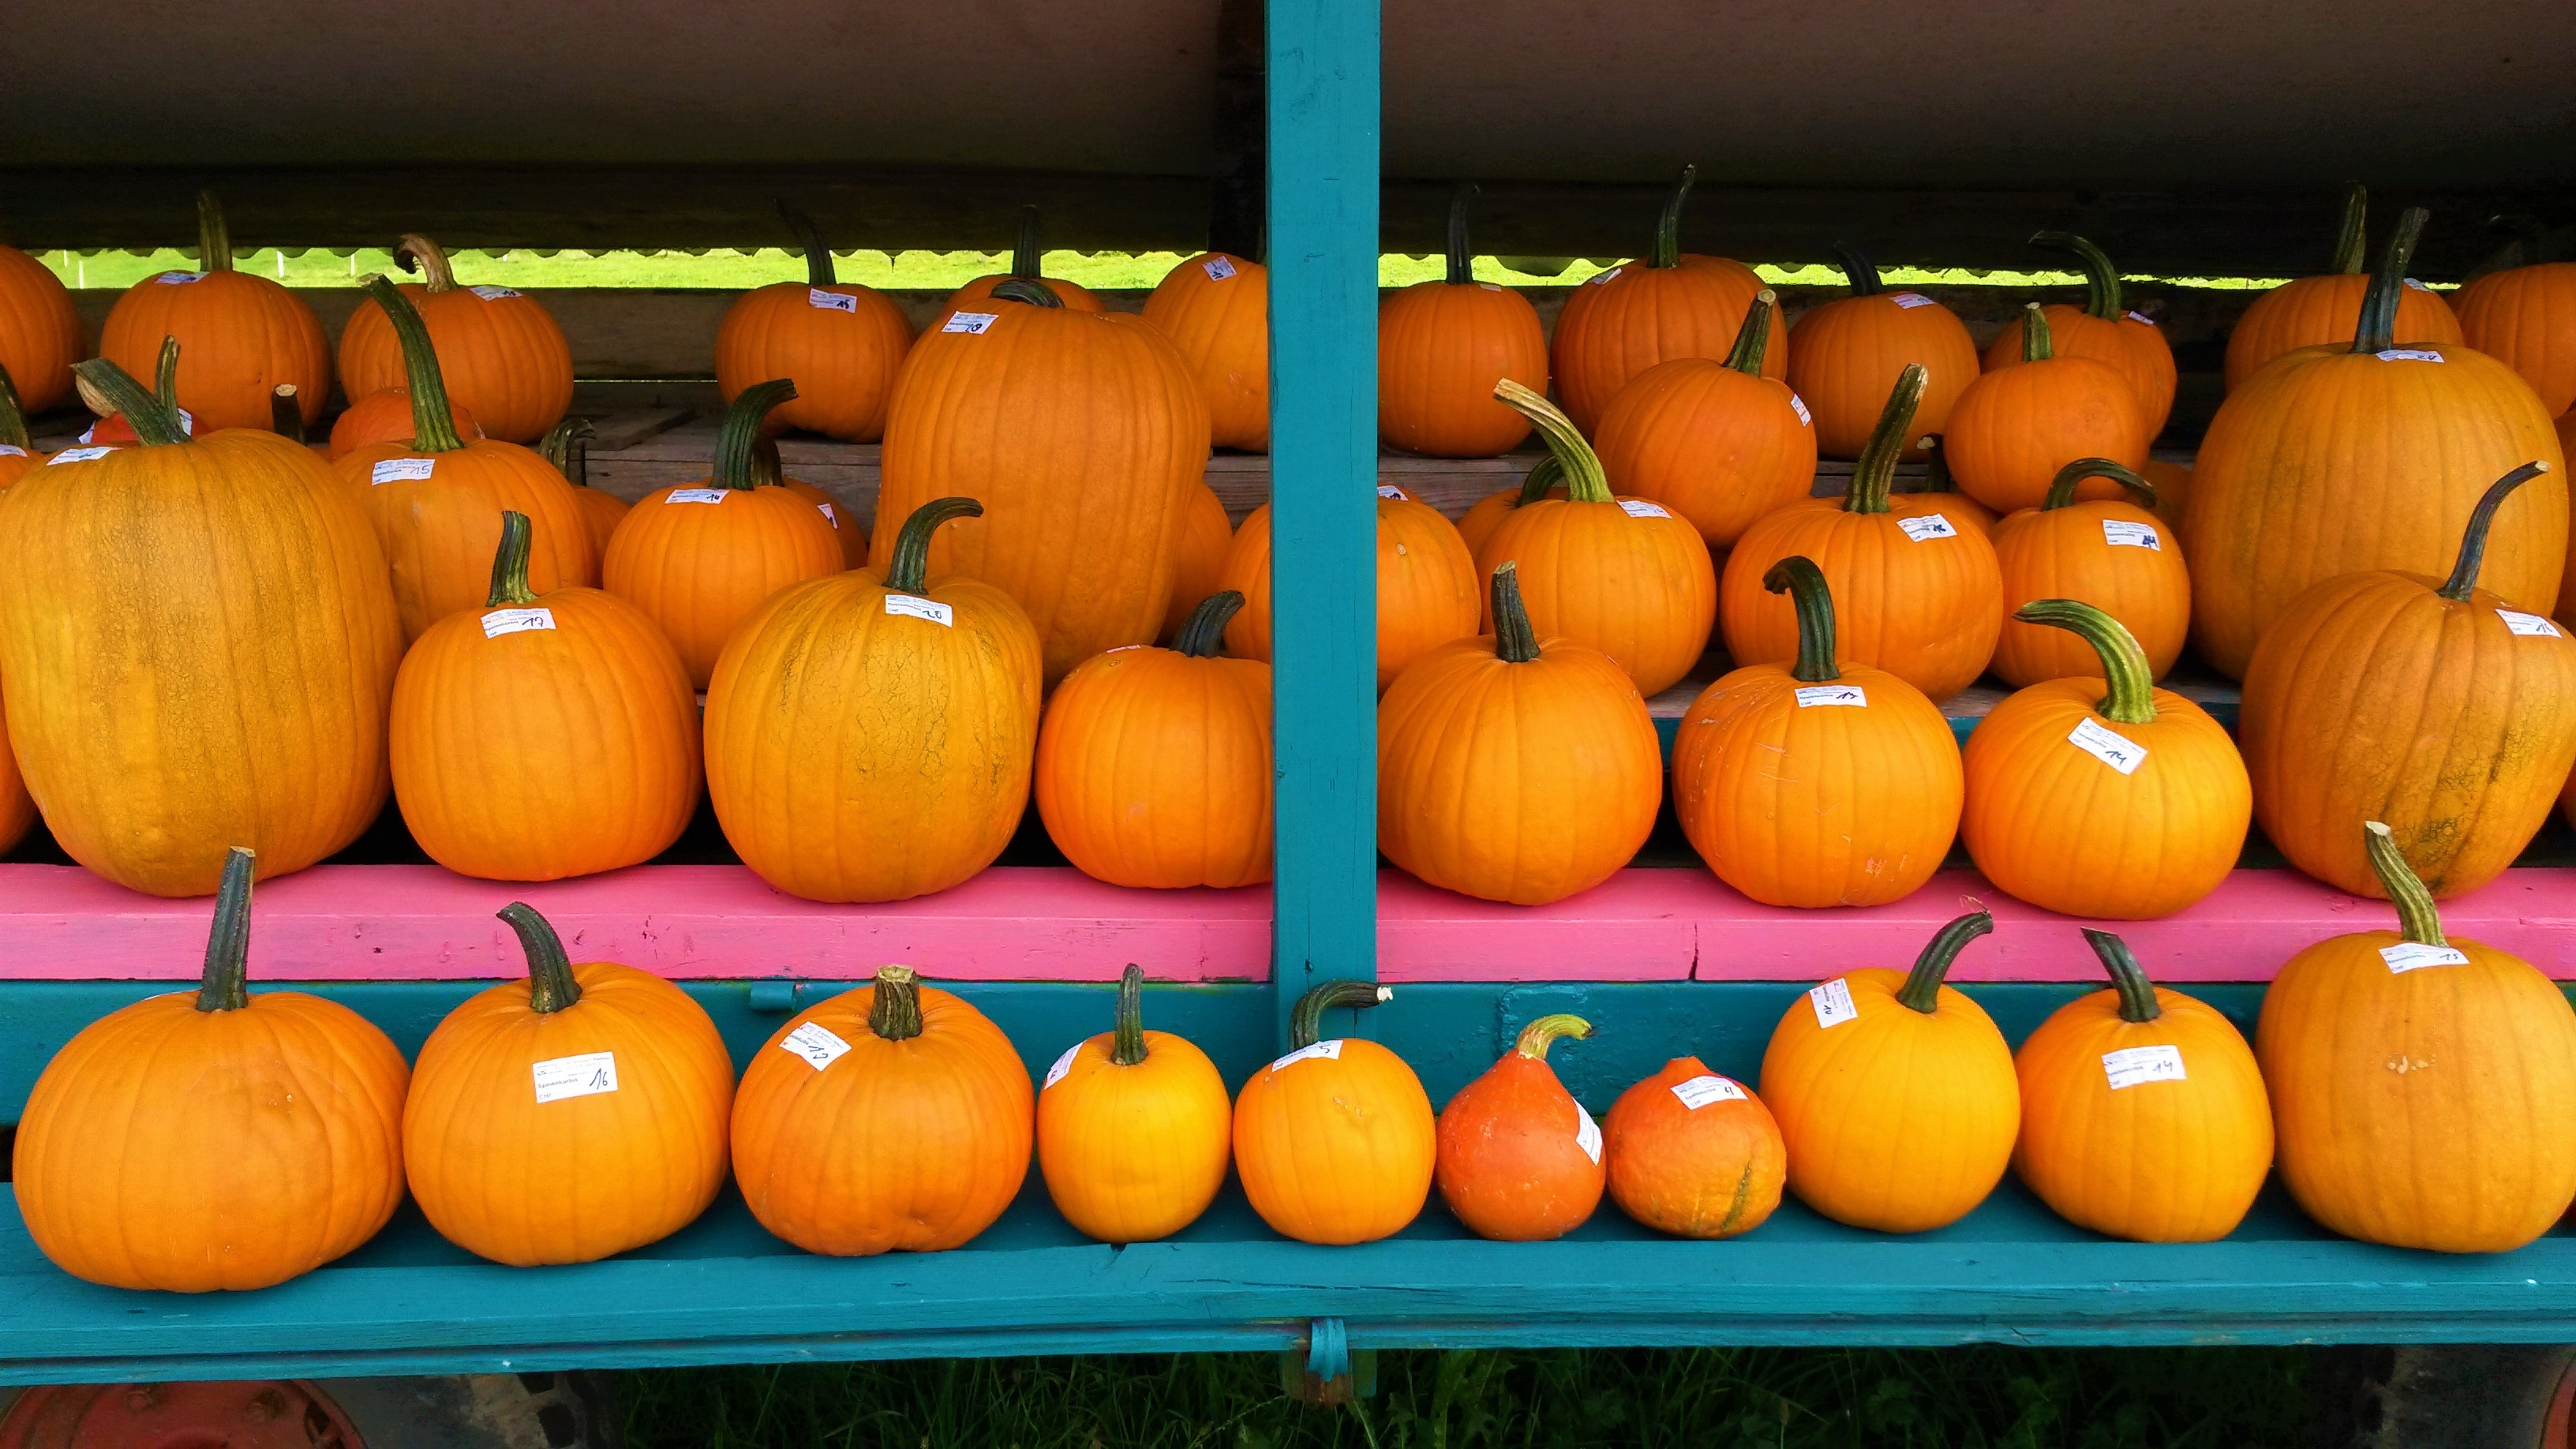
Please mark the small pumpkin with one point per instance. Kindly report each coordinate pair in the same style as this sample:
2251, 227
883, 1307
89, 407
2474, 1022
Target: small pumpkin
567, 446
1441, 349
1426, 584
2309, 311
2143, 1114
41, 335
1519, 1159
768, 471
1334, 1141
1216, 309
1850, 350
2423, 1085
2525, 317
1198, 567
1545, 479
839, 342
568, 1117
2103, 329
894, 1117
500, 352
242, 334
215, 1138
1716, 442
2120, 557
17, 450
1134, 1129
2016, 426
384, 416
1694, 1154
1028, 262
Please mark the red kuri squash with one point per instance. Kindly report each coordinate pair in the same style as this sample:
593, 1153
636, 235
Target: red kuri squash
1519, 1158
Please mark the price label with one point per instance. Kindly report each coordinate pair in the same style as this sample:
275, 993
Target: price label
402, 470
179, 279
492, 294
817, 1044
1389, 490
1217, 268
976, 323
1698, 1092
1798, 405
829, 516
2535, 625
1929, 526
696, 495
1327, 1051
1604, 278
587, 1075
77, 455
831, 301
1815, 695
2418, 286
1587, 1134
2408, 956
2121, 533
1833, 1003
2141, 318
516, 621
12, 450
2109, 746
2408, 354
1909, 300
909, 607
1640, 508
1063, 1064
2135, 1066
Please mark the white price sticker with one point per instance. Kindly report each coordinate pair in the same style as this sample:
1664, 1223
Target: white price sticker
402, 470
1217, 268
975, 323
1329, 1051
831, 301
1389, 490
2122, 533
516, 621
2408, 956
1815, 695
1063, 1064
2141, 318
1698, 1092
78, 455
696, 495
2535, 625
2408, 354
1833, 1003
1929, 526
586, 1075
2418, 286
1909, 300
909, 607
2109, 746
179, 279
818, 1044
1640, 508
2136, 1066
492, 294
829, 516
1587, 1134
12, 450
1604, 278
1798, 405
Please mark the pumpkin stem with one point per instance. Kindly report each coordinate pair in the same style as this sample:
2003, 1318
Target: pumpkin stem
1027, 254
510, 564
908, 572
1036, 294
2061, 489
766, 470
417, 253
1668, 224
1875, 473
744, 426
1127, 1041
1804, 583
285, 418
818, 257
2377, 329
1514, 641
2418, 919
1545, 1032
13, 416
1462, 262
2131, 698
1203, 633
2036, 344
567, 446
433, 422
1754, 337
214, 237
2352, 243
1857, 270
155, 423
2137, 994
165, 373
1585, 482
1544, 474
224, 986
2101, 279
551, 986
1306, 1020
2473, 539
1922, 989
1936, 468
894, 1011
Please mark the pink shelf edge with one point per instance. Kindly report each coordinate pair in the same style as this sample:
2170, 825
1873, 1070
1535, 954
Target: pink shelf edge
420, 923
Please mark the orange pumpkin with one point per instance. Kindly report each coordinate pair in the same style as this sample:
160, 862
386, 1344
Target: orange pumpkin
1441, 348
568, 1117
1426, 584
567, 446
1216, 309
1545, 479
1812, 784
499, 350
2308, 311
1134, 1129
1895, 1093
766, 472
1849, 352
1716, 442
2172, 482
2016, 426
40, 331
213, 1139
839, 342
2525, 317
2103, 330
1694, 1154
384, 416
2423, 1085
893, 1117
1953, 503
112, 430
1515, 770
1334, 1141
1519, 1159
17, 450
1028, 259
1915, 593
2115, 555
242, 334
1198, 569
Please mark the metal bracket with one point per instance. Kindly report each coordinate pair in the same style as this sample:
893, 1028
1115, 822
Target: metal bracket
1328, 1348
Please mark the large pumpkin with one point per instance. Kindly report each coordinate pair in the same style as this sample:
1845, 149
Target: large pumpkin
1716, 442
1694, 1154
213, 1139
1441, 349
1849, 351
2015, 427
1519, 1159
1028, 258
1134, 1129
2423, 1085
2104, 330
2308, 311
1216, 309
576, 1114
40, 331
2120, 557
567, 446
499, 350
2525, 317
1426, 583
892, 1117
1334, 1141
1198, 565
17, 807
2434, 707
839, 342
198, 645
241, 334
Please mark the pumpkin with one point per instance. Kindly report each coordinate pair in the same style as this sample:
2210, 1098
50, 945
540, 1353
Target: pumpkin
1515, 770
1216, 309
1694, 1154
1663, 305
2423, 1085
1519, 1160
766, 472
543, 736
2434, 707
242, 334
2340, 460
2120, 557
1198, 568
1815, 784
869, 733
2015, 427
567, 446
1716, 442
2525, 317
2308, 311
839, 342
1426, 584
2103, 330
1894, 1093
1954, 504
17, 450
1915, 593
1134, 1129
1082, 433
17, 807
1545, 479
2119, 801
199, 646
1441, 348
384, 416
892, 1117
568, 1117
213, 1139
1849, 351
2143, 1115
1334, 1141
2172, 482
1625, 576
1027, 265
40, 331
499, 351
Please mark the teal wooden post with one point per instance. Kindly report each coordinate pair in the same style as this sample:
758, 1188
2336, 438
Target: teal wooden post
1323, 172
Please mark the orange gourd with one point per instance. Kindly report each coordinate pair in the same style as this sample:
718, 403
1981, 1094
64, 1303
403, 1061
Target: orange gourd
1915, 593
1812, 784
40, 331
1716, 442
2016, 426
1426, 584
499, 351
2433, 707
567, 446
1198, 567
839, 342
1334, 1141
2120, 557
1216, 309
893, 1117
1513, 769
2102, 329
384, 416
17, 450
869, 734
1849, 352
2309, 311
1028, 260
1134, 1129
2525, 318
213, 1139
2423, 1085
568, 1117
242, 334
1519, 1159
2119, 801
2143, 1115
1895, 1093
1441, 348
1694, 1154
1545, 479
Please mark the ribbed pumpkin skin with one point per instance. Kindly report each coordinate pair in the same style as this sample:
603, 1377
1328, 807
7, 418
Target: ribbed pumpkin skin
1716, 446
439, 532
2063, 553
577, 1179
1631, 317
1510, 1164
698, 570
2173, 494
1927, 612
17, 807
384, 416
2434, 1108
1081, 435
2525, 318
1440, 350
2013, 429
1845, 355
2375, 698
1426, 585
602, 511
2292, 486
240, 337
199, 646
1695, 1172
1487, 514
843, 363
40, 331
1132, 1154
1198, 565
1640, 589
2129, 345
1218, 316
907, 1146
546, 753
175, 1149
2316, 311
503, 356
1335, 1150
1153, 769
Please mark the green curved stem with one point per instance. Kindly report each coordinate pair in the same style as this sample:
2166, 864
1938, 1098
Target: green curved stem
433, 422
1462, 262
1127, 1035
1857, 270
1514, 641
1922, 989
1754, 337
2352, 243
165, 374
1203, 633
1668, 224
225, 985
744, 429
2137, 994
285, 418
2061, 489
2418, 919
2036, 345
1804, 583
1028, 255
567, 446
214, 236
894, 1009
1036, 294
908, 572
2473, 539
2377, 329
551, 986
818, 257
1875, 473
417, 253
1306, 1021
1544, 474
155, 423
2101, 279
13, 416
510, 565
1585, 482
1547, 1031
2131, 698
